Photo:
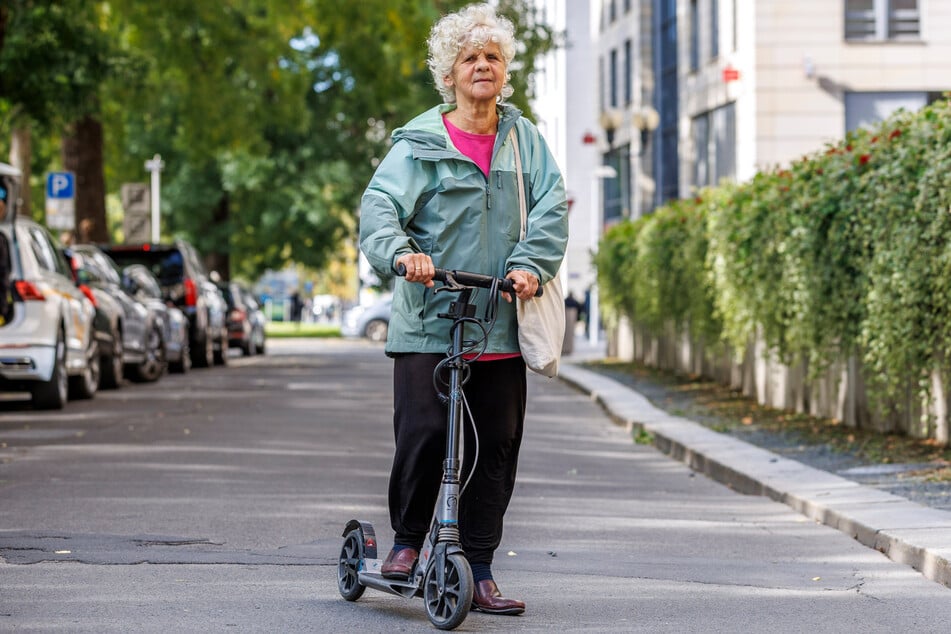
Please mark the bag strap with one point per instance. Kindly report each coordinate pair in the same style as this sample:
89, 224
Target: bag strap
521, 183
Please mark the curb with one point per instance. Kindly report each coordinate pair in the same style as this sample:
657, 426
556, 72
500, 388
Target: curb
905, 531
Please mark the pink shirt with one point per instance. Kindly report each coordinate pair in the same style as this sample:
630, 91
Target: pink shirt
478, 147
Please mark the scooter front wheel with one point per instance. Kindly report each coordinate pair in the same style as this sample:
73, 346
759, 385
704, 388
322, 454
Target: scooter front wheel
447, 591
349, 566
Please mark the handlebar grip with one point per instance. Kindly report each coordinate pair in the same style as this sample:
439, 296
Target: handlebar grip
470, 279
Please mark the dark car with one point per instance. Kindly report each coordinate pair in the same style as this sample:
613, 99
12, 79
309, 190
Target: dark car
186, 284
139, 282
130, 335
245, 319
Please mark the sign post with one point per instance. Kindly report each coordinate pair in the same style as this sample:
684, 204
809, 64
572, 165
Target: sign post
61, 200
136, 223
155, 167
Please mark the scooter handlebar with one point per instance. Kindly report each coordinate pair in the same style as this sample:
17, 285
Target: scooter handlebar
470, 279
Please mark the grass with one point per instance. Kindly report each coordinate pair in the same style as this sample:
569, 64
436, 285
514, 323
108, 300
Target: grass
286, 329
723, 409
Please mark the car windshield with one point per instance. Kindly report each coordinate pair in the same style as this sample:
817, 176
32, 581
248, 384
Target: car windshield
167, 266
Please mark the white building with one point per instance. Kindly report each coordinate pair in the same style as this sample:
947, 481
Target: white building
674, 95
567, 115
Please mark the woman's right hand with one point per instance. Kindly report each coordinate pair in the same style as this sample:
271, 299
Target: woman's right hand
419, 268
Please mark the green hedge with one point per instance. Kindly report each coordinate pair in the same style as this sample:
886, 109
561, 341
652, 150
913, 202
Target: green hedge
846, 251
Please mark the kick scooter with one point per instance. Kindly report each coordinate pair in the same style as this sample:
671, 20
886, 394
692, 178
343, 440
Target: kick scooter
441, 575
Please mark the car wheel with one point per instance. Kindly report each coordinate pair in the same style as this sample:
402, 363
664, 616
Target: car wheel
184, 363
376, 330
203, 355
155, 362
111, 365
86, 383
251, 347
221, 354
54, 393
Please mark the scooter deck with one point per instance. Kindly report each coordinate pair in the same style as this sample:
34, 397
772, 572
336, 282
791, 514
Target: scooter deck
371, 577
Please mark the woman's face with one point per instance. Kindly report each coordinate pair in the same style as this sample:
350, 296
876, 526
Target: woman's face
478, 74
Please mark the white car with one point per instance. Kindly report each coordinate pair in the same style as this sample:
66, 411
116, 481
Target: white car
47, 343
372, 321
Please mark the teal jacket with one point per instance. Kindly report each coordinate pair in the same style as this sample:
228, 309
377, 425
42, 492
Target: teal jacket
427, 197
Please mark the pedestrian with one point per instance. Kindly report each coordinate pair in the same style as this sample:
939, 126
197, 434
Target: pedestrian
296, 307
446, 195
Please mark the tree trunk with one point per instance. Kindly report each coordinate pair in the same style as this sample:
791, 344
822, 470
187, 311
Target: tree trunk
82, 155
21, 154
218, 260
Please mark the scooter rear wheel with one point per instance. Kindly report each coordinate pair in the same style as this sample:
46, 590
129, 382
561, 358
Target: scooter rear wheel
450, 607
349, 566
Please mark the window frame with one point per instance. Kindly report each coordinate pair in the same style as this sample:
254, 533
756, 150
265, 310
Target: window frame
881, 21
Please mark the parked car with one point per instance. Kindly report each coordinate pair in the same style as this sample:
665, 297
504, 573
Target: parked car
131, 335
47, 341
139, 282
186, 284
371, 322
245, 319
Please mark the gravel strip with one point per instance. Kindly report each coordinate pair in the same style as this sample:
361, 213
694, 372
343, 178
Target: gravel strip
904, 480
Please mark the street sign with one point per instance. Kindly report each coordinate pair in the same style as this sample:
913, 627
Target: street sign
136, 222
61, 200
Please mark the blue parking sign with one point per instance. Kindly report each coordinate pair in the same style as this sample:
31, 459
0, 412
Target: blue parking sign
61, 185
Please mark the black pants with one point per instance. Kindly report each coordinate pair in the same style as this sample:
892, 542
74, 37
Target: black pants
496, 396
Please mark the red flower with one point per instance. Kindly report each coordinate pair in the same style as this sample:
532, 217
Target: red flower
698, 200
848, 148
819, 171
894, 134
865, 158
874, 139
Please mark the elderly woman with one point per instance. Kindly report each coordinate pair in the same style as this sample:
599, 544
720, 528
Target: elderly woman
446, 195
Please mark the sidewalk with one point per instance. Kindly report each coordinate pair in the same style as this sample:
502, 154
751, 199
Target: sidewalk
905, 531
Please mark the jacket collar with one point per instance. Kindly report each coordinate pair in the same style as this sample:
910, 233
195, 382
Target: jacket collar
427, 129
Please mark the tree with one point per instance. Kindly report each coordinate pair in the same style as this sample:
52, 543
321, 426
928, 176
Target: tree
54, 58
270, 117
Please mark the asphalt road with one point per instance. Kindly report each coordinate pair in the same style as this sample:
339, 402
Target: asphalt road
214, 502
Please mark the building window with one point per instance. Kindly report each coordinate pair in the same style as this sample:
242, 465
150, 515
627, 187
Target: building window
617, 191
601, 84
613, 11
882, 20
701, 141
714, 29
628, 72
724, 143
734, 18
613, 78
667, 157
694, 36
863, 109
714, 137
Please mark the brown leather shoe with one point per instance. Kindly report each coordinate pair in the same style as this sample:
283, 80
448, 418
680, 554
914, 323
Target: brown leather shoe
486, 597
399, 563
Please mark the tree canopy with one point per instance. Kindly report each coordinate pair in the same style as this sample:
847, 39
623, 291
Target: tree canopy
269, 116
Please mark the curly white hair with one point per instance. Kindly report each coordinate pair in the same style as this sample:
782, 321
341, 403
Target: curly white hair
476, 24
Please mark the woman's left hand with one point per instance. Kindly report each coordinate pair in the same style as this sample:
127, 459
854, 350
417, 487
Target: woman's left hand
525, 284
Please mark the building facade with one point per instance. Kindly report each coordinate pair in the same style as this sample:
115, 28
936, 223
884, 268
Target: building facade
652, 100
